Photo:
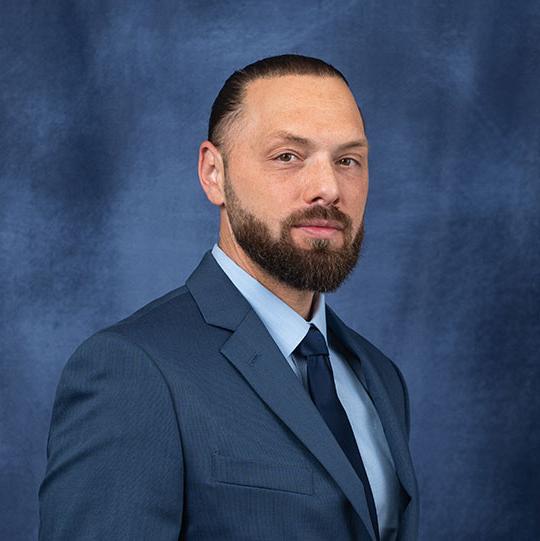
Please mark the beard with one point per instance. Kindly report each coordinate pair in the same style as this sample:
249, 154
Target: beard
319, 268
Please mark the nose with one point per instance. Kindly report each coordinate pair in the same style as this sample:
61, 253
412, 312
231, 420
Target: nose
321, 183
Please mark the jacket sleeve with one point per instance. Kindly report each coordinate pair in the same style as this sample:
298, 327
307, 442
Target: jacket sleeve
114, 455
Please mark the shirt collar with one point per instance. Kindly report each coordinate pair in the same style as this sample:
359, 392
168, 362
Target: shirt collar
287, 327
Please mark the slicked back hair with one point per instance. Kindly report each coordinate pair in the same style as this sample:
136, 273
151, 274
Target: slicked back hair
227, 106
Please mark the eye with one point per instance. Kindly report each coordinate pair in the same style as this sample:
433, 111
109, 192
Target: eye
347, 162
285, 157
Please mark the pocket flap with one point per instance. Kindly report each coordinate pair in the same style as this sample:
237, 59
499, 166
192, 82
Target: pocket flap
239, 471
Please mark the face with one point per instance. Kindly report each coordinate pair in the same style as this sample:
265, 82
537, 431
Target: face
296, 180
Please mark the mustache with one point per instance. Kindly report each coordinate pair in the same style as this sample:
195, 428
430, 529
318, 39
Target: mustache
319, 212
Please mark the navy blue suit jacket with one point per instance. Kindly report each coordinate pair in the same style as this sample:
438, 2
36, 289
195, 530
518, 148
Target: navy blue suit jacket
184, 421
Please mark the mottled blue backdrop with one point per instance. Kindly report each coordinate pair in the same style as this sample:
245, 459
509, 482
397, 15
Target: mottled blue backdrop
103, 106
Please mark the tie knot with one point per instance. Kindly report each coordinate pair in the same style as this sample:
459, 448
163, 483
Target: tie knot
312, 344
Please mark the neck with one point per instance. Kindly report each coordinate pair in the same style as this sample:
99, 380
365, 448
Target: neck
302, 302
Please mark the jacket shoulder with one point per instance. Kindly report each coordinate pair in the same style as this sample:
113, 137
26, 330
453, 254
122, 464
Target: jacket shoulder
155, 309
166, 319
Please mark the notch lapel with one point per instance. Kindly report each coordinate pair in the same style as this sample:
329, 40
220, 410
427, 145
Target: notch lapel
395, 436
253, 352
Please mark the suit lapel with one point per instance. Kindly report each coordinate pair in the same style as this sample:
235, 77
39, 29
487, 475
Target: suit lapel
364, 360
256, 356
251, 349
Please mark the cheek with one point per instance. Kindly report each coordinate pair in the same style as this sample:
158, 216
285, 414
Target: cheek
354, 207
268, 207
274, 202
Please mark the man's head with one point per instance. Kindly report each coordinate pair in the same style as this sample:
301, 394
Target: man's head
287, 154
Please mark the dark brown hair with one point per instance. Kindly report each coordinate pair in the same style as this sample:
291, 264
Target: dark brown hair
228, 104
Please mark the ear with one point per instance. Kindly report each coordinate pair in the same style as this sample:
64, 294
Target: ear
211, 172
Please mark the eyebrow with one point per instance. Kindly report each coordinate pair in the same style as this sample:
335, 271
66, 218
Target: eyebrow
291, 137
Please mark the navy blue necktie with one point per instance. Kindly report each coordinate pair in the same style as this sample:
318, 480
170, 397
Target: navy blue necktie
322, 390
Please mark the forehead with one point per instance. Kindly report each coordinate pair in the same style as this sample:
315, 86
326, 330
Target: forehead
307, 104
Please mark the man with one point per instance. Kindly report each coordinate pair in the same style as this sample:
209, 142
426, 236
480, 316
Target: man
239, 406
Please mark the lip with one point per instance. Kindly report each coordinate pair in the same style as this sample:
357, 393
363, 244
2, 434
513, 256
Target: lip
320, 228
325, 224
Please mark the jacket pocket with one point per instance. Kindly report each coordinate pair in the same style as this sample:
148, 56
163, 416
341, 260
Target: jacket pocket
270, 475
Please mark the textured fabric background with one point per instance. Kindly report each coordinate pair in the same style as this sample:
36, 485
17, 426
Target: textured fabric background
103, 107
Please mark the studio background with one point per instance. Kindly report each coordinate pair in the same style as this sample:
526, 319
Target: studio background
103, 107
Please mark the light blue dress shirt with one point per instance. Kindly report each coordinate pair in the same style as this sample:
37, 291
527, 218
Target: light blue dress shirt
288, 328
